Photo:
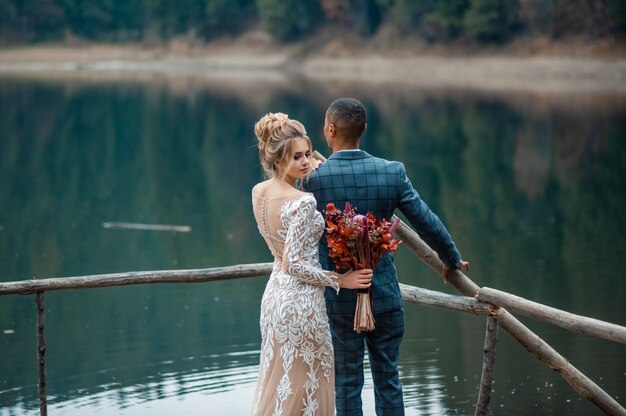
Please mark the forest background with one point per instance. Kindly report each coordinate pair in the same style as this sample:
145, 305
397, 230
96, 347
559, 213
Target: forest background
388, 27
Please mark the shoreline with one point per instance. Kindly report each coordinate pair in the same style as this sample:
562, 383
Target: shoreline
234, 62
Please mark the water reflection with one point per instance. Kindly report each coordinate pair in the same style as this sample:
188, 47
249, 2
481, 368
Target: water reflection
225, 373
530, 186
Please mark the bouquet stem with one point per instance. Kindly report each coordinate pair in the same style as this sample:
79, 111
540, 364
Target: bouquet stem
363, 316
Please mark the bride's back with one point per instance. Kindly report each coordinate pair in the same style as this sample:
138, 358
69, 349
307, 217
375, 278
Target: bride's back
268, 200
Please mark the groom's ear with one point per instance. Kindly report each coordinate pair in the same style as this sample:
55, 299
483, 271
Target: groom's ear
331, 129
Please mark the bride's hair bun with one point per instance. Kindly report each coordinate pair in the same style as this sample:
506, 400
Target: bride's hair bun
265, 127
275, 133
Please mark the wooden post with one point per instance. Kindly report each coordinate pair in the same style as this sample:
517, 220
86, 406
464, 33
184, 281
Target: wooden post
41, 352
489, 359
528, 339
566, 320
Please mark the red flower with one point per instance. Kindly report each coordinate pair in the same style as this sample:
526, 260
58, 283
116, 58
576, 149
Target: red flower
357, 241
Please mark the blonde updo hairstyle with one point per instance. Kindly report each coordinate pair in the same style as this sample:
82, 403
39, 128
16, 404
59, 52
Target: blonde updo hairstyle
276, 134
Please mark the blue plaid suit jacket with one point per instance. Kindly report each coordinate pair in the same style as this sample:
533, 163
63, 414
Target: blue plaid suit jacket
380, 186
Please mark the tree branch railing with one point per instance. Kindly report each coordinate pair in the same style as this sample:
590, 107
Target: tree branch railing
569, 321
136, 278
487, 302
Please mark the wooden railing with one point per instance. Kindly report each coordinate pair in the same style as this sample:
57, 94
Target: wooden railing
478, 301
528, 339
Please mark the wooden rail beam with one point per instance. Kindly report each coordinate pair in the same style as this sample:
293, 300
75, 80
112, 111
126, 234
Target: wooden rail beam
569, 321
136, 278
409, 293
427, 297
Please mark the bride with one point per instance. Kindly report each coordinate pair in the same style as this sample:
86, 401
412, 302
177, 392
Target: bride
296, 371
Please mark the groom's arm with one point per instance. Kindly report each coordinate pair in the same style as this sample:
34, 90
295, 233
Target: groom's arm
426, 223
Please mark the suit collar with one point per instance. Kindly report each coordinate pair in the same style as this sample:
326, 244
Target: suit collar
350, 154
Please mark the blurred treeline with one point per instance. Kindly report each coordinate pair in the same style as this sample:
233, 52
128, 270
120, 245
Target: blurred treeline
287, 20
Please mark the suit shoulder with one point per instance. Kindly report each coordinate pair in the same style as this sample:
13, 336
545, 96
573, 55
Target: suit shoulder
327, 168
311, 183
389, 165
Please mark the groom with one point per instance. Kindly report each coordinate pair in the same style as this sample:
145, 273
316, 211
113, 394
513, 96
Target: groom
379, 186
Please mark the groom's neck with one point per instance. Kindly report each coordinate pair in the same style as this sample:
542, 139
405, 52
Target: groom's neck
345, 145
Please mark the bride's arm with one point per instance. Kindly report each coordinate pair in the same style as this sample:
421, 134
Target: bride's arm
300, 224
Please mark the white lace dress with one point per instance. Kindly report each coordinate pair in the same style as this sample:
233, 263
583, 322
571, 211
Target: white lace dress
296, 372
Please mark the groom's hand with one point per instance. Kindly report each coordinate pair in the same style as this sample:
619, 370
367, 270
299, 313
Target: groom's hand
445, 270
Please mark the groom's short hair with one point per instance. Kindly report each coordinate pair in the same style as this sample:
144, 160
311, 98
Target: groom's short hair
349, 117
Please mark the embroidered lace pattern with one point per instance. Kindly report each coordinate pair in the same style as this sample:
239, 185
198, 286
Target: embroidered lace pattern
296, 372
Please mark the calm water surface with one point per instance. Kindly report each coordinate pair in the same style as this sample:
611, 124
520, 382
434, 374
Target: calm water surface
531, 187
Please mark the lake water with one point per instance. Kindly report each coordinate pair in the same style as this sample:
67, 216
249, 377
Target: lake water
531, 186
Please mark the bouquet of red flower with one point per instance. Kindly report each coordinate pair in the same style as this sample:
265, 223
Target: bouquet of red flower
357, 242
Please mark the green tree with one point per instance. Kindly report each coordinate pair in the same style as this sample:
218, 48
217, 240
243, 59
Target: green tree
446, 21
617, 8
106, 19
365, 16
130, 17
490, 19
93, 19
407, 14
227, 15
8, 17
43, 18
166, 18
537, 16
288, 19
576, 17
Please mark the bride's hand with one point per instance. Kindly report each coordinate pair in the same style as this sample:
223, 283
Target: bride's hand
314, 163
316, 159
356, 279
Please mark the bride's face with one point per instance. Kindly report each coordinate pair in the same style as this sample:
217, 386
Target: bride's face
299, 164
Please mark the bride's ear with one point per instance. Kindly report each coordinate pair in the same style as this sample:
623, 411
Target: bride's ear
278, 168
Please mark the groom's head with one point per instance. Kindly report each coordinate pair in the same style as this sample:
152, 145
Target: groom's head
345, 121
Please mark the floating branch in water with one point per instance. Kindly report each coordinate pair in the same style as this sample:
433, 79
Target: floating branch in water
152, 227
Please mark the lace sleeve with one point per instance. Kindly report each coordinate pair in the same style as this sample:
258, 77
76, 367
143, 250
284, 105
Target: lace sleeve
299, 221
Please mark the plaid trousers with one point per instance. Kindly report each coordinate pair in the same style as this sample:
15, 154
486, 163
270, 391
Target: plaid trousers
383, 348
